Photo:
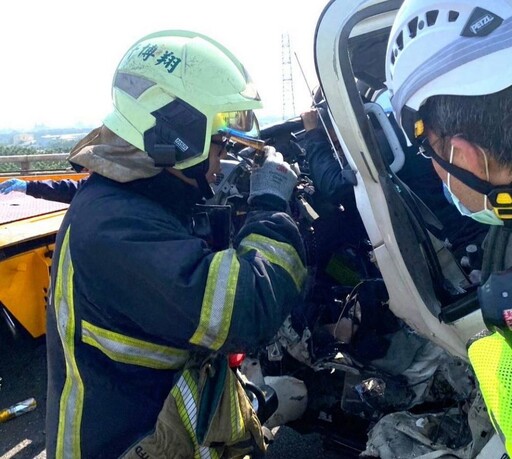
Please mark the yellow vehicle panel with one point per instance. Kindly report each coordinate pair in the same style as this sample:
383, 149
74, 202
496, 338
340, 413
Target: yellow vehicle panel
31, 228
24, 282
28, 227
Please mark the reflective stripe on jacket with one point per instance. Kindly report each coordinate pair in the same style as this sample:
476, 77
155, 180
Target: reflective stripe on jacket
133, 292
207, 415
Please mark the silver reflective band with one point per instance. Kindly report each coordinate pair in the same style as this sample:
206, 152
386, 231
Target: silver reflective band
72, 395
132, 351
456, 54
278, 253
218, 301
186, 395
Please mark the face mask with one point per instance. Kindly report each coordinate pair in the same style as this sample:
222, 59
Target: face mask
485, 216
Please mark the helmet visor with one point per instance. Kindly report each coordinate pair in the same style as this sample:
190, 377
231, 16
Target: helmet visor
243, 121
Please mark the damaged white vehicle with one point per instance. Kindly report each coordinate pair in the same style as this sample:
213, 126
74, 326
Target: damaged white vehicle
381, 341
428, 260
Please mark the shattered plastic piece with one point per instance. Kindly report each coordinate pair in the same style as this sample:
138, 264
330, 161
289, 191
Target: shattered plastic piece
323, 416
421, 422
398, 436
274, 352
370, 398
371, 388
418, 360
481, 427
251, 369
297, 346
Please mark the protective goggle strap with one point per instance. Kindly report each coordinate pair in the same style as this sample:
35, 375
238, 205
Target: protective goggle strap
499, 196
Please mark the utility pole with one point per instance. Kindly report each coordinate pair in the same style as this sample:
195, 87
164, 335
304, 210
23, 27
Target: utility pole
286, 63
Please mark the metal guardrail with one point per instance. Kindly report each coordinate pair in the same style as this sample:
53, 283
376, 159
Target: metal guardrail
26, 160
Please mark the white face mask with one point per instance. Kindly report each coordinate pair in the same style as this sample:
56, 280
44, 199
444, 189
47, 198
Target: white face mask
486, 216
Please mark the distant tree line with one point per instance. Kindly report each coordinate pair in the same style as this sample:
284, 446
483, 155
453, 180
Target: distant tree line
57, 146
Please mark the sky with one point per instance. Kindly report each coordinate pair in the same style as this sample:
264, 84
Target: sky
59, 56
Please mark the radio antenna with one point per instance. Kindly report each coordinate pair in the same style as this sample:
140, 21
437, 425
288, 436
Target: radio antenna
315, 105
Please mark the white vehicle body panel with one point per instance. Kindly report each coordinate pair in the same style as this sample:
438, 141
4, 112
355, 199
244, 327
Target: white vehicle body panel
337, 23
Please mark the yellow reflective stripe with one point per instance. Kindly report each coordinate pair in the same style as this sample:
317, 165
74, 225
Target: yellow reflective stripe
186, 395
124, 349
278, 253
218, 301
186, 402
72, 397
237, 422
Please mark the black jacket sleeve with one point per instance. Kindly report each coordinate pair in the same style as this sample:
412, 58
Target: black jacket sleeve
328, 177
54, 190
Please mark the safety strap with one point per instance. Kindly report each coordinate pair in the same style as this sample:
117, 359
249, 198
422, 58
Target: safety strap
495, 252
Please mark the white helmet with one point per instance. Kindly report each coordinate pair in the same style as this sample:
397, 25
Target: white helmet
173, 90
460, 47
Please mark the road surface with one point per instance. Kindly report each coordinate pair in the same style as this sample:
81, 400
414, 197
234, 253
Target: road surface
23, 373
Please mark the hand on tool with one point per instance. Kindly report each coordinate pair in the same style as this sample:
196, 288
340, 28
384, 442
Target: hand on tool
274, 177
310, 119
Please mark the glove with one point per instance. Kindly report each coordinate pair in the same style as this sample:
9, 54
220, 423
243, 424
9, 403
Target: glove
13, 185
310, 120
274, 177
491, 358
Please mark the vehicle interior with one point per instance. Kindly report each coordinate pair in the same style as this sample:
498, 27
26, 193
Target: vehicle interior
443, 235
417, 235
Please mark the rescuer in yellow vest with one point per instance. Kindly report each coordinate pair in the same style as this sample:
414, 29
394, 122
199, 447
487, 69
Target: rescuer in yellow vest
448, 70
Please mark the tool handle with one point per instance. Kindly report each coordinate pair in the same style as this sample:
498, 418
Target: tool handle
259, 157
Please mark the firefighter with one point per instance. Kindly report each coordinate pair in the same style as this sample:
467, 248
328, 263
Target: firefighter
136, 296
448, 69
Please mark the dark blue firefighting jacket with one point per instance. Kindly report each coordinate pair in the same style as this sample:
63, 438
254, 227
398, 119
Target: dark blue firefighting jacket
133, 292
54, 190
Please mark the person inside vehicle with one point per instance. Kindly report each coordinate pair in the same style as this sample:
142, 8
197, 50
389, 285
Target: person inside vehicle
334, 183
137, 297
447, 67
52, 190
334, 188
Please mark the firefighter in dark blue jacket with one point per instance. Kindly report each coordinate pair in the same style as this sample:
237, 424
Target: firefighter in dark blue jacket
134, 293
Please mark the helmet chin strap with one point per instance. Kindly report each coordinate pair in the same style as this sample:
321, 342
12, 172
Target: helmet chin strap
198, 173
204, 187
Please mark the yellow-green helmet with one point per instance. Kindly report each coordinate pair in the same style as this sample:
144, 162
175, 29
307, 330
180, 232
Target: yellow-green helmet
173, 90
